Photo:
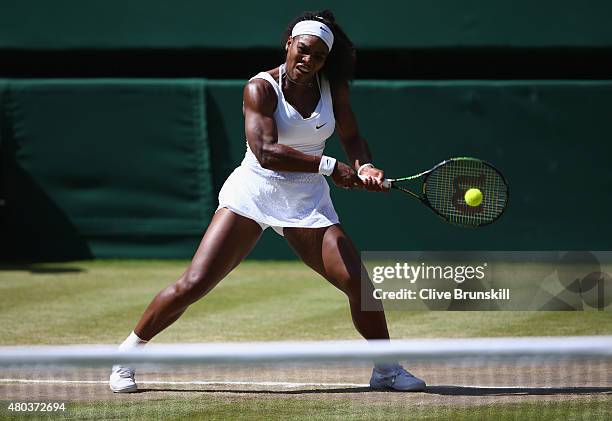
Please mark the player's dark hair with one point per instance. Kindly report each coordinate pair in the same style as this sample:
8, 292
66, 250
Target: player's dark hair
340, 63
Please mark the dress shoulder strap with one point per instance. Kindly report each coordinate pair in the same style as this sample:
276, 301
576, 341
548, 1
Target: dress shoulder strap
271, 81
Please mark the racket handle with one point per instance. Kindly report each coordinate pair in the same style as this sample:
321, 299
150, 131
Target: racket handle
387, 183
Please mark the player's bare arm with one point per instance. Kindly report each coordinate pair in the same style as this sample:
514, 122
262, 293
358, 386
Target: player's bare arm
259, 104
354, 144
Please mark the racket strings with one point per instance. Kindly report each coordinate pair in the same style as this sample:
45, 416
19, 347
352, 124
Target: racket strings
453, 182
446, 185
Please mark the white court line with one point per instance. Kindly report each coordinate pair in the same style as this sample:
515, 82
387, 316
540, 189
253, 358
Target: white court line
201, 383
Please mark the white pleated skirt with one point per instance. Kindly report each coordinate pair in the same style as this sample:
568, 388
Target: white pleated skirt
278, 199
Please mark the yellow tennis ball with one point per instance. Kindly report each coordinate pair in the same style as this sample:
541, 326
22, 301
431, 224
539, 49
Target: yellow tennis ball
473, 197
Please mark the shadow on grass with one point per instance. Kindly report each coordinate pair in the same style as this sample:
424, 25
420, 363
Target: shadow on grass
434, 390
266, 392
511, 391
37, 268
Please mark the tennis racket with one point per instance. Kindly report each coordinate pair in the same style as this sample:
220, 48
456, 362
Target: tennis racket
444, 187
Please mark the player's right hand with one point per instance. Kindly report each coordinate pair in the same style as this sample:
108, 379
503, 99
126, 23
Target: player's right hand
345, 176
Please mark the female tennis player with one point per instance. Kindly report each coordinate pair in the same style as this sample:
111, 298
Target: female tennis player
289, 113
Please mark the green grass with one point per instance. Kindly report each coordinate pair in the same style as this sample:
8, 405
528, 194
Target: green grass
101, 301
217, 408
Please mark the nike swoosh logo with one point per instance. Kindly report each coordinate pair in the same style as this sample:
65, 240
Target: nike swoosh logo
324, 29
318, 127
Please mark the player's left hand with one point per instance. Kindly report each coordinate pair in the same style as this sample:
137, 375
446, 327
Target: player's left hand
372, 179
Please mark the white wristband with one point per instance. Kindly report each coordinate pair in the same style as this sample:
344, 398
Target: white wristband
327, 165
361, 168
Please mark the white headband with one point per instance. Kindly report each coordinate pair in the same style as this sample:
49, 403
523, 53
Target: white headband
314, 27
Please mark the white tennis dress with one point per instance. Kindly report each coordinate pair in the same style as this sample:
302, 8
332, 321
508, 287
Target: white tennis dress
279, 198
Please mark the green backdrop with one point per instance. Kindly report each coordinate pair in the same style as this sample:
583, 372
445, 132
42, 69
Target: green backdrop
104, 168
137, 24
131, 168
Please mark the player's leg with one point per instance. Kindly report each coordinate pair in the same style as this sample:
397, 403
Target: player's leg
331, 253
228, 239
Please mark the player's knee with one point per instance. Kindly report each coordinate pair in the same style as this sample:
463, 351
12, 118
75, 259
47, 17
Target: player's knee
190, 287
350, 284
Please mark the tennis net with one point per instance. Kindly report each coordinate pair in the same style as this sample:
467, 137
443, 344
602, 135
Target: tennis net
510, 378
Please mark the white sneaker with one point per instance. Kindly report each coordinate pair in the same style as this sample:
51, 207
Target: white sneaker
397, 378
122, 380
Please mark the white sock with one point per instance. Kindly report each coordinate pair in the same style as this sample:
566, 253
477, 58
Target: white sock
131, 342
